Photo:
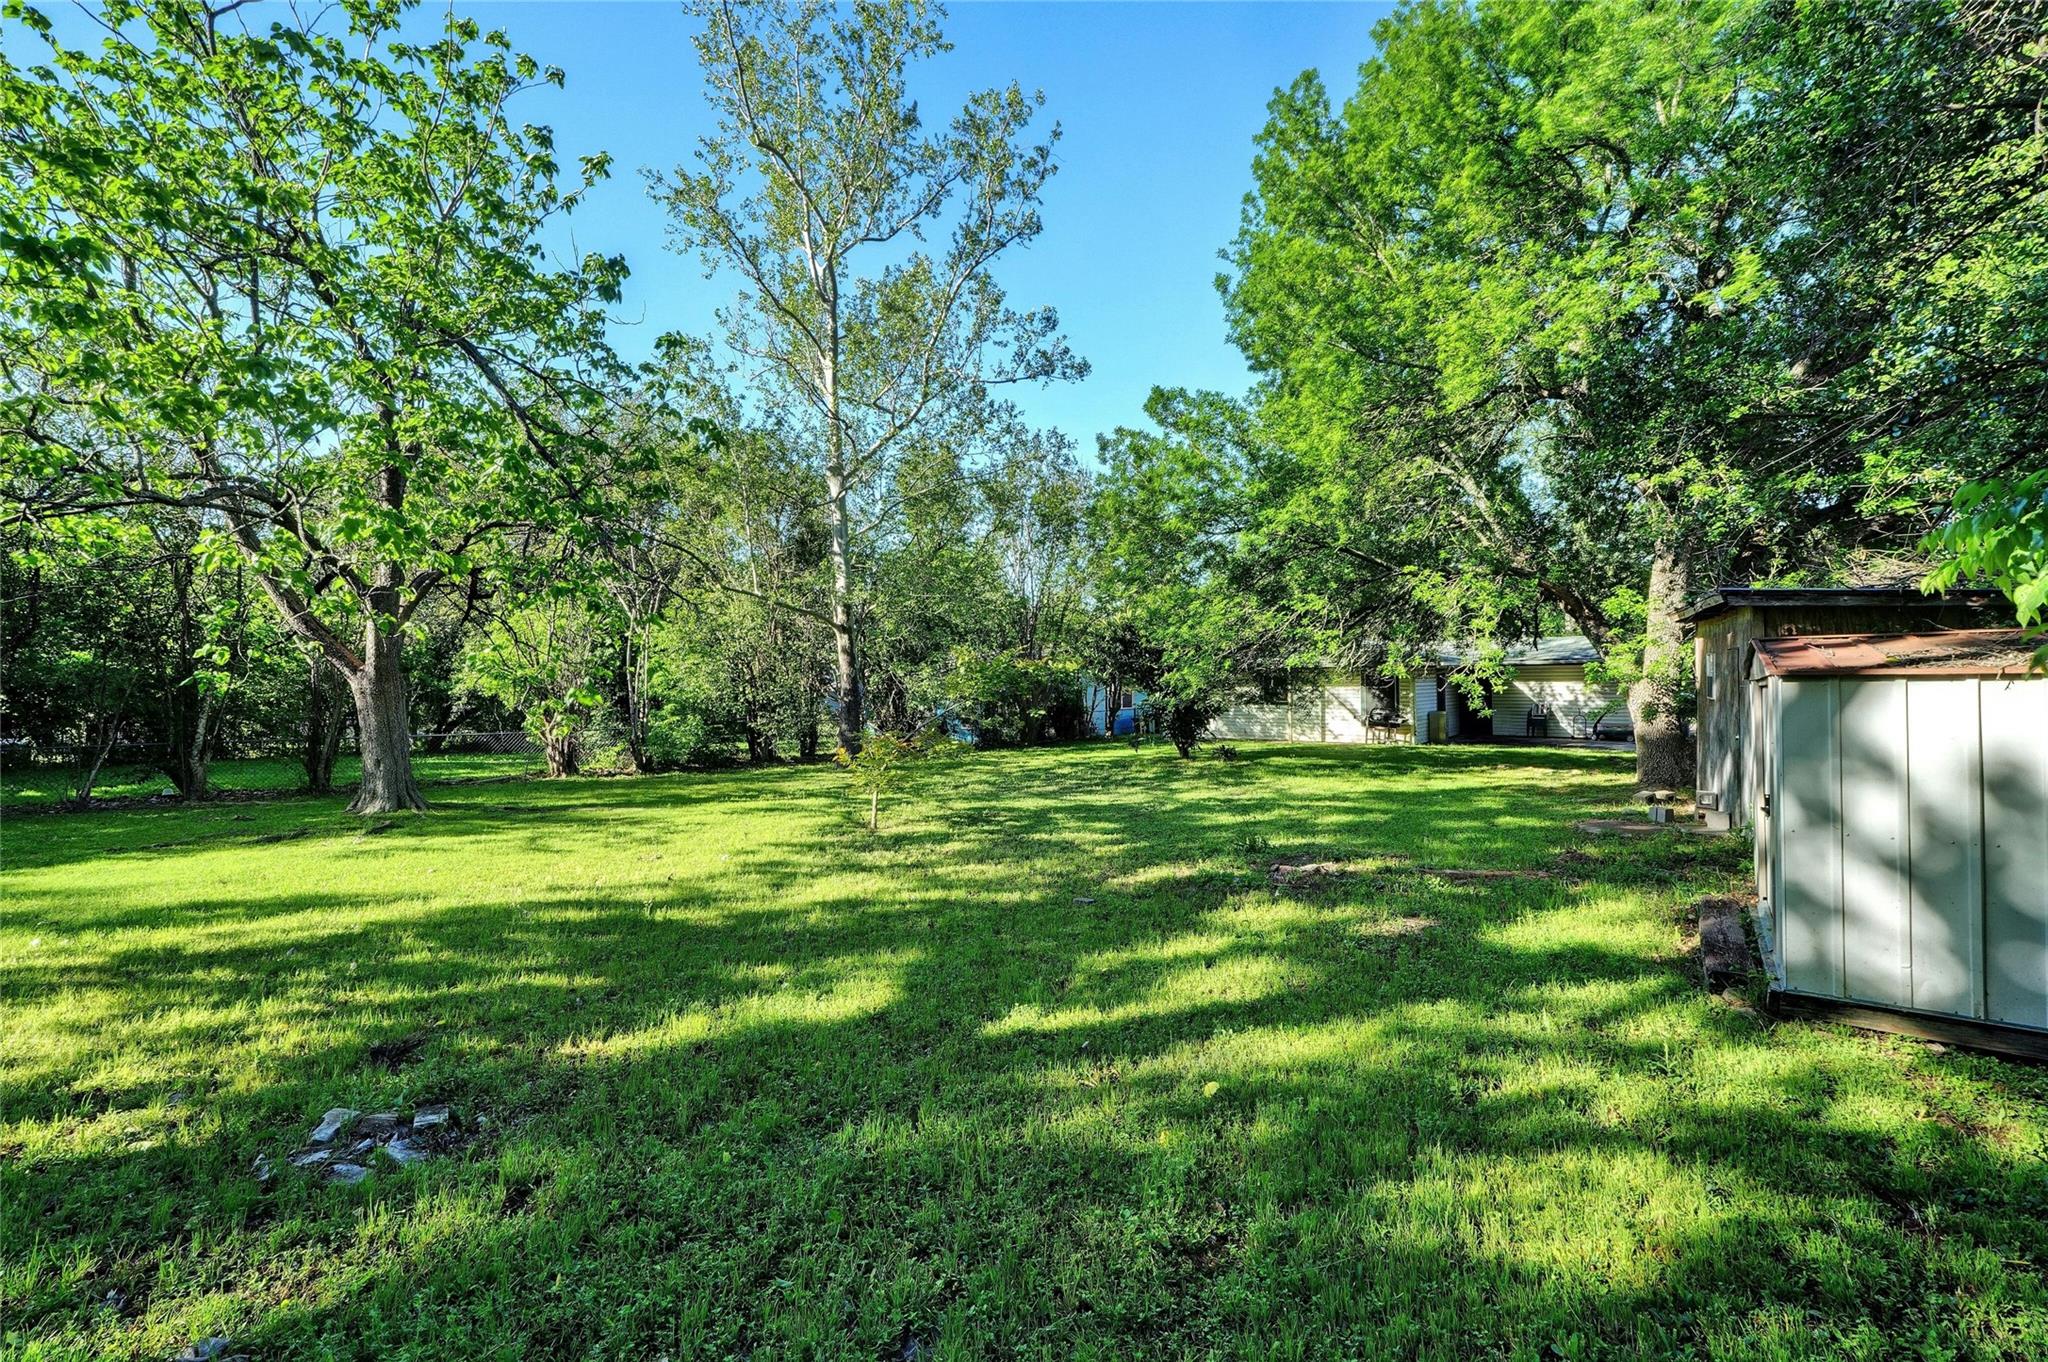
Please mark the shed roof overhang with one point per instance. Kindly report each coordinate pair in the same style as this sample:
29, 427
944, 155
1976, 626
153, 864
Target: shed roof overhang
1725, 599
1959, 652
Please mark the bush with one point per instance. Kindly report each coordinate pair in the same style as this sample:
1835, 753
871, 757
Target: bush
1013, 701
1183, 720
679, 737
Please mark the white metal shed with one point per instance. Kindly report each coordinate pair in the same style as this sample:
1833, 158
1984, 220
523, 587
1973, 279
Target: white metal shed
1901, 786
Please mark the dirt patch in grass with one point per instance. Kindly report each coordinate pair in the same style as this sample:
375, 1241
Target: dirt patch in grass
1392, 928
1642, 827
1308, 872
1286, 873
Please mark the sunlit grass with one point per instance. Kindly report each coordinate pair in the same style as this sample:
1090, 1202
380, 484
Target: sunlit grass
1048, 1068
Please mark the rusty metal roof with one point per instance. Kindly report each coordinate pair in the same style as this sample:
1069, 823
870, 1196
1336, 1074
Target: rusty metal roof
1957, 652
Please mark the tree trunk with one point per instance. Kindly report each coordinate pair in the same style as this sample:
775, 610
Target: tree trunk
1664, 756
381, 726
807, 729
633, 688
846, 674
325, 720
560, 749
82, 794
191, 748
190, 708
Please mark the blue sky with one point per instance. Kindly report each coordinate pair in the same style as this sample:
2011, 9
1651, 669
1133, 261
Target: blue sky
1158, 104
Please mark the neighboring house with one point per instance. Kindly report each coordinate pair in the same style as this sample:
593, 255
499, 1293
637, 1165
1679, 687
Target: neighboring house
1321, 704
1111, 709
1729, 620
1902, 831
1548, 698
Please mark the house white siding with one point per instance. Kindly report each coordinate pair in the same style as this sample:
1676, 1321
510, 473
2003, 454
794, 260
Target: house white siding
1346, 705
1563, 691
1418, 702
1304, 708
1321, 706
1251, 723
1326, 705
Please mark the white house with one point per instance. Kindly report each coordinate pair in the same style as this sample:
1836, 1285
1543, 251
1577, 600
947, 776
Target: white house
1548, 697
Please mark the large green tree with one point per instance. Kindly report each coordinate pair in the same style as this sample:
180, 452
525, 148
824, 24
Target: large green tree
865, 243
1200, 605
1539, 326
289, 273
1914, 138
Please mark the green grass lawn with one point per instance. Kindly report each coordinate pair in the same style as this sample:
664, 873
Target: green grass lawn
1046, 1069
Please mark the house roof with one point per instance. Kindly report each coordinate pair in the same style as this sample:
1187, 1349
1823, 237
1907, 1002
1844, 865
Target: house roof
1959, 652
1723, 599
1552, 650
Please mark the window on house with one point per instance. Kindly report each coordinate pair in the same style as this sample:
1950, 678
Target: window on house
1273, 689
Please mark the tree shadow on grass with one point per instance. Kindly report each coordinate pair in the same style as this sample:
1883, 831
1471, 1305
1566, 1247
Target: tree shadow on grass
849, 1093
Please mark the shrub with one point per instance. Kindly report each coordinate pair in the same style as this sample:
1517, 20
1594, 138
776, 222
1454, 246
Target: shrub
1014, 701
678, 737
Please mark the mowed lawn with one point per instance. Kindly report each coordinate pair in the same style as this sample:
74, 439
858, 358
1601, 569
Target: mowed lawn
1049, 1068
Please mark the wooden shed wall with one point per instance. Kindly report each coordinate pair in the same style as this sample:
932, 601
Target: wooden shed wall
1721, 660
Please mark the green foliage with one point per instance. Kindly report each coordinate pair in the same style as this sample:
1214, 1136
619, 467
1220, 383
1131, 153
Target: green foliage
2000, 535
679, 737
1566, 312
543, 658
886, 761
865, 240
285, 269
1011, 700
1194, 628
1911, 135
116, 635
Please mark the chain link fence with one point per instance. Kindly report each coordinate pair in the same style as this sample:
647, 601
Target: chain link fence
36, 777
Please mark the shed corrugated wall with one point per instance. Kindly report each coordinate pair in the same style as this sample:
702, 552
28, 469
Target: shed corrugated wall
1910, 843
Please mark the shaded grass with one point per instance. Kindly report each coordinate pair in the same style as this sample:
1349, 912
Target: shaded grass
25, 788
1048, 1068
